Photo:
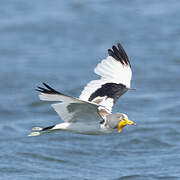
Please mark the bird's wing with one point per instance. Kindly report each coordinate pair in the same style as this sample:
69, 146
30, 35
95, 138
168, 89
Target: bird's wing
115, 78
70, 109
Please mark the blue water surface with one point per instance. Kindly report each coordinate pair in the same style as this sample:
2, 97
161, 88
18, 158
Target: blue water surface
60, 42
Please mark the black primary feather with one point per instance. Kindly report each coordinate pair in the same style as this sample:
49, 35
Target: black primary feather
49, 90
119, 54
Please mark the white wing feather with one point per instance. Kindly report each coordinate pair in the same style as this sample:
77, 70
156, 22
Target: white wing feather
111, 71
71, 109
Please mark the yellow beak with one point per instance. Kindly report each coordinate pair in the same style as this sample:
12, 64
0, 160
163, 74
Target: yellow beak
123, 123
130, 122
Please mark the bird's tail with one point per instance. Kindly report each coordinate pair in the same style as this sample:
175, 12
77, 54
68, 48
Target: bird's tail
37, 131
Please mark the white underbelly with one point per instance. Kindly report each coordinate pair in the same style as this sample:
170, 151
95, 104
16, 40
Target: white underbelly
87, 128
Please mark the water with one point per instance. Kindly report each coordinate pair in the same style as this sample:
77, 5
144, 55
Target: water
60, 42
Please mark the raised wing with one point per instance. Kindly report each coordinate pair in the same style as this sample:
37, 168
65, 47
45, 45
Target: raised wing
70, 109
115, 72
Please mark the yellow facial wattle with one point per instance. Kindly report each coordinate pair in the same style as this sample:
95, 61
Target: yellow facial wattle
123, 123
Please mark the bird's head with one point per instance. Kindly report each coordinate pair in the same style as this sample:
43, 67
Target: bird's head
118, 121
123, 121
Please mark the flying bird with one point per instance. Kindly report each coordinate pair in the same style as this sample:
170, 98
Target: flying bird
91, 113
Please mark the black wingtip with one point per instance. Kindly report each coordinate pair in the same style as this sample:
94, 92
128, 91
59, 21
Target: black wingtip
47, 90
119, 54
